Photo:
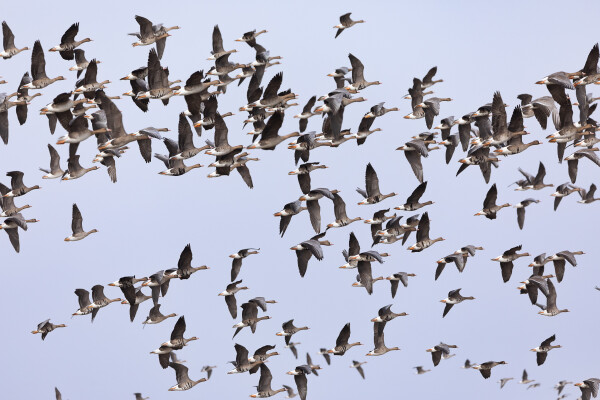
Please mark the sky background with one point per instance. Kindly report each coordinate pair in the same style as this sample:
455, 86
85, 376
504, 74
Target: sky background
145, 220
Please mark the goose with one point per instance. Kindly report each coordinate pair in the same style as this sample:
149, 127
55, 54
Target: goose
183, 380
423, 240
379, 341
398, 277
416, 95
413, 150
541, 108
75, 170
537, 182
345, 22
341, 343
543, 349
236, 264
521, 210
489, 204
303, 173
364, 130
306, 113
307, 249
365, 279
55, 170
207, 368
358, 79
46, 327
562, 191
558, 259
339, 209
478, 155
9, 43
148, 34
515, 146
385, 314
358, 365
261, 355
175, 165
229, 294
428, 78
288, 330
249, 36
286, 214
587, 196
89, 83
588, 388
81, 63
159, 284
270, 138
551, 309
242, 363
156, 317
506, 261
379, 110
264, 384
312, 198
460, 260
7, 204
376, 223
5, 105
177, 340
525, 379
18, 188
573, 160
486, 368
431, 107
372, 195
61, 103
395, 231
217, 45
78, 131
304, 144
420, 370
196, 84
99, 300
325, 354
412, 202
223, 66
83, 298
503, 381
125, 283
23, 99
186, 141
222, 146
158, 81
293, 349
353, 249
467, 364
68, 42
38, 70
140, 297
454, 297
561, 385
249, 317
313, 367
77, 228
533, 284
369, 256
440, 351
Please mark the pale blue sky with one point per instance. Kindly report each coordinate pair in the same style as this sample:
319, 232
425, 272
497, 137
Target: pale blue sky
145, 220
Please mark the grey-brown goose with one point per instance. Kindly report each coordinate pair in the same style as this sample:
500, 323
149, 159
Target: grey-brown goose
229, 294
242, 363
515, 145
250, 36
90, 82
393, 229
158, 284
525, 379
396, 278
325, 354
489, 204
18, 188
261, 355
23, 99
379, 341
156, 317
186, 141
75, 170
223, 66
358, 79
249, 317
46, 327
428, 78
534, 182
293, 348
587, 196
5, 105
454, 297
270, 138
521, 210
421, 370
372, 194
541, 108
99, 300
339, 209
379, 110
7, 204
358, 365
312, 198
183, 380
8, 42
440, 351
158, 81
486, 368
562, 191
177, 341
558, 259
77, 227
307, 249
385, 314
313, 367
299, 374
478, 155
207, 368
264, 384
364, 130
81, 63
175, 165
551, 309
506, 261
502, 131
353, 249
413, 150
139, 298
423, 240
196, 84
236, 264
589, 388
543, 349
147, 34
38, 69
341, 343
538, 264
289, 329
83, 298
573, 160
286, 214
460, 260
68, 42
432, 108
412, 202
303, 173
217, 45
55, 171
502, 381
345, 23
306, 113
222, 146
376, 223
138, 396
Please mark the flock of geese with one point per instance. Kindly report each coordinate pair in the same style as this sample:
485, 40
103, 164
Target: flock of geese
484, 135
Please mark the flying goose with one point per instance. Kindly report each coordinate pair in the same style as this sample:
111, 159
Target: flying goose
358, 79
249, 317
521, 210
589, 388
286, 214
183, 380
46, 327
38, 70
341, 343
139, 298
385, 314
506, 261
563, 191
359, 368
543, 349
9, 43
398, 277
558, 259
339, 209
236, 264
68, 42
573, 160
7, 204
156, 317
229, 294
420, 370
489, 204
18, 188
551, 309
55, 170
440, 351
77, 228
414, 150
454, 297
486, 368
412, 202
288, 330
308, 248
11, 226
423, 240
372, 194
264, 384
587, 196
345, 22
525, 379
